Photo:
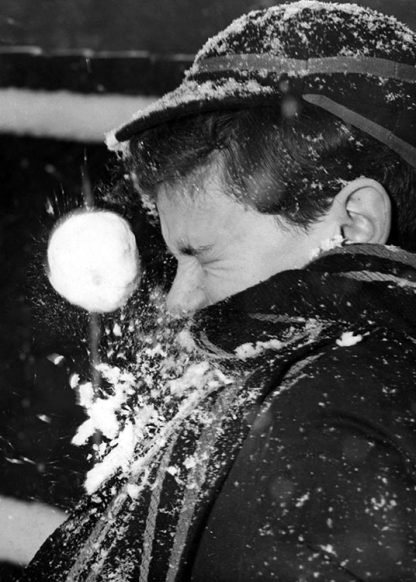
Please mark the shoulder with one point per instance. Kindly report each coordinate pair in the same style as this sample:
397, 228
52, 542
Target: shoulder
354, 374
325, 481
341, 414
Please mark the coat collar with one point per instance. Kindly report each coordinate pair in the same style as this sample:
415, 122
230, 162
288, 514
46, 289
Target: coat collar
358, 285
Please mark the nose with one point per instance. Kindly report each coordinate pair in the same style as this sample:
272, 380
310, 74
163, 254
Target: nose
187, 292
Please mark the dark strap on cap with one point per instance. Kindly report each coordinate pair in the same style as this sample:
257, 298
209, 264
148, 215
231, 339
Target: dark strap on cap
369, 66
401, 147
269, 64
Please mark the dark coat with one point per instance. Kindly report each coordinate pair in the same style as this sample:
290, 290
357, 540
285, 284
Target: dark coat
320, 482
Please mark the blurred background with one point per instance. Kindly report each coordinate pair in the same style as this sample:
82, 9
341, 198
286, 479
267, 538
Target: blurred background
69, 72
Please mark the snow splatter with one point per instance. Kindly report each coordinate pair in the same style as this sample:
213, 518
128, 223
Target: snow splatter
74, 380
148, 395
327, 245
133, 490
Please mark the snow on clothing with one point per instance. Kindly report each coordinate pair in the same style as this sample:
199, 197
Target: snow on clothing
307, 472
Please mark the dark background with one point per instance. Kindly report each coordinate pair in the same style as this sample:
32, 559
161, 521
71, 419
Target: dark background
158, 26
133, 47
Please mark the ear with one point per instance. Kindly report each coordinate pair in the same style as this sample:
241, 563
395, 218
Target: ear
365, 211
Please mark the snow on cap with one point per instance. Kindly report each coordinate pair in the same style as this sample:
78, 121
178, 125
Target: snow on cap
354, 62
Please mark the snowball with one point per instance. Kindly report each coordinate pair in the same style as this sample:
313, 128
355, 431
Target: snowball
93, 260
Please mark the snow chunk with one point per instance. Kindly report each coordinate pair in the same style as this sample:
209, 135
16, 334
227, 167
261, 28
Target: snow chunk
119, 456
44, 418
112, 143
185, 340
348, 339
327, 245
85, 394
74, 380
55, 359
133, 490
83, 433
250, 350
193, 377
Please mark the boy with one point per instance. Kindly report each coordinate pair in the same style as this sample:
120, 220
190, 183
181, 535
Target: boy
293, 134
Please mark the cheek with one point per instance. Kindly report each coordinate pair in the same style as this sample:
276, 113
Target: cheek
243, 270
225, 278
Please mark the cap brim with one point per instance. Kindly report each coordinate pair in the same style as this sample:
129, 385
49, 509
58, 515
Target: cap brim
192, 98
389, 121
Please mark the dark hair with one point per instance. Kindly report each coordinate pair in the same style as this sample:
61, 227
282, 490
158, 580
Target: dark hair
288, 165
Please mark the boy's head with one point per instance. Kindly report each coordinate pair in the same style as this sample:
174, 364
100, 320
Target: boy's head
288, 107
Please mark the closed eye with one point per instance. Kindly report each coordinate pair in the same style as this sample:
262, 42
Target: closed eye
191, 251
188, 251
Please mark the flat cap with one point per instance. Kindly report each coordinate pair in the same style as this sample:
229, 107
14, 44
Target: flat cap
354, 62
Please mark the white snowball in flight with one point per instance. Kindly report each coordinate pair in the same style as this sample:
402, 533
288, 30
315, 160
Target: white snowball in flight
93, 260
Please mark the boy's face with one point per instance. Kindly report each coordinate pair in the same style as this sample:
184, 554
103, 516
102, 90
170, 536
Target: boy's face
223, 247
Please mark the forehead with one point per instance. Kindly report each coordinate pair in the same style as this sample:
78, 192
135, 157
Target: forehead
196, 209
